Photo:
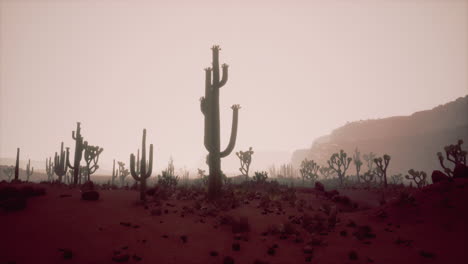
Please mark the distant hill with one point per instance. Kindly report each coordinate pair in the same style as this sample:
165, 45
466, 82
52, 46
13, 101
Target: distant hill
412, 141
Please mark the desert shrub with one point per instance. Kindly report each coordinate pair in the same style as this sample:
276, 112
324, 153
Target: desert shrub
260, 177
168, 180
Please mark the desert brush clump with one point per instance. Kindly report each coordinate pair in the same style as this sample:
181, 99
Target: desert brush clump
209, 105
260, 177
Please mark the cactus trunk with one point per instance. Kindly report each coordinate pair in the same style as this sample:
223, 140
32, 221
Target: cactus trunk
145, 172
17, 164
79, 147
209, 105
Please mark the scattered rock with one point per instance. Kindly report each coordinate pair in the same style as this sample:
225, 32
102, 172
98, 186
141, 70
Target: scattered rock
214, 253
121, 258
67, 253
228, 260
236, 246
90, 195
353, 255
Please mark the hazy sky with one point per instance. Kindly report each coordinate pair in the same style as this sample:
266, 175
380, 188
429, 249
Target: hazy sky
297, 68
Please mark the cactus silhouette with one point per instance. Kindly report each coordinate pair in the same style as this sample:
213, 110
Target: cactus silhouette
79, 147
114, 174
339, 163
17, 164
50, 169
454, 154
419, 177
358, 163
29, 170
383, 167
209, 105
60, 163
91, 156
309, 170
145, 173
245, 158
122, 172
9, 171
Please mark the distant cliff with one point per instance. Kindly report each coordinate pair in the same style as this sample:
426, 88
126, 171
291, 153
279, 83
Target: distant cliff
412, 141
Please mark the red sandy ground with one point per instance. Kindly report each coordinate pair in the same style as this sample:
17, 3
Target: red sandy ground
432, 230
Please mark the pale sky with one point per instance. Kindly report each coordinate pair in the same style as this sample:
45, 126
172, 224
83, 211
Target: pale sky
298, 68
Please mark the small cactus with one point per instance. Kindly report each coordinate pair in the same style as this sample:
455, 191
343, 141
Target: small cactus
114, 174
29, 170
50, 169
60, 163
145, 173
245, 158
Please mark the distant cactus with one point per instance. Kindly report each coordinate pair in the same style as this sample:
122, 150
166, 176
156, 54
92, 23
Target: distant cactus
245, 158
79, 147
29, 170
397, 178
91, 156
145, 173
60, 165
123, 173
419, 177
260, 177
17, 164
454, 154
114, 174
339, 162
357, 162
383, 167
50, 169
209, 105
309, 170
326, 172
9, 172
368, 177
369, 158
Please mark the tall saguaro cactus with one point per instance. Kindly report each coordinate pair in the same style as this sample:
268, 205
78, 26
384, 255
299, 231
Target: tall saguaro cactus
60, 163
209, 105
29, 170
17, 164
79, 147
145, 173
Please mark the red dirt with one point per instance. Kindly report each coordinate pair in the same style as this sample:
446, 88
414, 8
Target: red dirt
433, 229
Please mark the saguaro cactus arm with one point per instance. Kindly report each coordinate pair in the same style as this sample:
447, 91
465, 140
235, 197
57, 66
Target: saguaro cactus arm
232, 140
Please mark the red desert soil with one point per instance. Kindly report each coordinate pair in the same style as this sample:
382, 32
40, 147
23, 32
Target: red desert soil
426, 226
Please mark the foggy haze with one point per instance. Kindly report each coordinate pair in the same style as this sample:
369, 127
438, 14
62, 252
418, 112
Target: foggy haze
298, 69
